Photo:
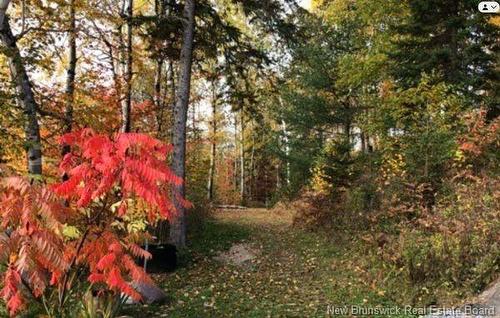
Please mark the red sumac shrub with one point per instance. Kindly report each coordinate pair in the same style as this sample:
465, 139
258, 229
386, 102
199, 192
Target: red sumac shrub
89, 221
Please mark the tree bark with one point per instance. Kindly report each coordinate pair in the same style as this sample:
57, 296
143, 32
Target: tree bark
165, 106
170, 93
24, 90
362, 137
178, 220
127, 91
242, 158
278, 176
4, 5
235, 162
70, 77
157, 98
287, 152
213, 150
251, 186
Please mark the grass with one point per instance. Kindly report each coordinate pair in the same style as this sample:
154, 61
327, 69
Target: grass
297, 273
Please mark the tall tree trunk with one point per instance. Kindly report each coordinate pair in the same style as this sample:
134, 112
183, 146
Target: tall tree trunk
157, 97
119, 68
24, 90
178, 220
126, 99
170, 93
347, 135
287, 151
213, 150
70, 77
235, 162
347, 131
278, 176
286, 141
167, 101
242, 158
252, 168
169, 89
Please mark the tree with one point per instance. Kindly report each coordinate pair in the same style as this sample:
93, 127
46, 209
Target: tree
178, 221
24, 90
452, 39
218, 38
213, 141
126, 99
317, 108
71, 74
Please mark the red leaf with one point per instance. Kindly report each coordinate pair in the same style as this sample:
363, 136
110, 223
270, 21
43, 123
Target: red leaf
10, 292
115, 279
137, 251
115, 248
55, 278
96, 278
15, 303
106, 262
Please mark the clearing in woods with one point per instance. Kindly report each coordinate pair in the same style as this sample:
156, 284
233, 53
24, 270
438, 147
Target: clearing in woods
253, 263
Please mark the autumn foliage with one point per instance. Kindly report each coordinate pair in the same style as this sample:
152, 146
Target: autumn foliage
91, 223
135, 162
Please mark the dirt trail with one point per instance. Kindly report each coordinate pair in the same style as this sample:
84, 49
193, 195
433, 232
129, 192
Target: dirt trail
253, 263
269, 219
276, 223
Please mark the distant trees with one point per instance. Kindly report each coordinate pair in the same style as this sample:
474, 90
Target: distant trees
453, 40
214, 124
448, 37
369, 76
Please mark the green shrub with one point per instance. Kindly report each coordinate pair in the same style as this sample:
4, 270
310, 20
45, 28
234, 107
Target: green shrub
458, 246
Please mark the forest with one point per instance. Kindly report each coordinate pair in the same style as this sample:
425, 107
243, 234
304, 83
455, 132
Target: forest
249, 158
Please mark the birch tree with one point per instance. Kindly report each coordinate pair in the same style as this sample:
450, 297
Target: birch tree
126, 99
71, 74
24, 91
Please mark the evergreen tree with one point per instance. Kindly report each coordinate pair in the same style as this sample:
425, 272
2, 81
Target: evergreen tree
451, 38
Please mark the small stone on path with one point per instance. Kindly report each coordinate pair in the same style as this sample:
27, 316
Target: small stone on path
238, 255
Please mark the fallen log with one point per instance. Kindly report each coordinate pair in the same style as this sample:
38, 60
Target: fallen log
230, 207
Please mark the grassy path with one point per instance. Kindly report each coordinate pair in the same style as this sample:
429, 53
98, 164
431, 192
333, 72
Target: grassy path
296, 273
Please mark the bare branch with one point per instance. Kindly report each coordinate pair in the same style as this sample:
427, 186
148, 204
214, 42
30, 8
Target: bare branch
48, 113
40, 29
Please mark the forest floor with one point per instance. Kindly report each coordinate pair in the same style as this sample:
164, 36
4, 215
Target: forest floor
283, 272
254, 263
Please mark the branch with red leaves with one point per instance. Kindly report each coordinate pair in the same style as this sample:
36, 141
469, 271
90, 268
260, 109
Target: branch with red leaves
128, 171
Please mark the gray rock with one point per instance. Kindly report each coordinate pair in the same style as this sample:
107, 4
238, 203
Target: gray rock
151, 294
486, 305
